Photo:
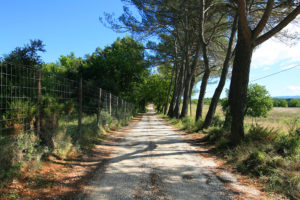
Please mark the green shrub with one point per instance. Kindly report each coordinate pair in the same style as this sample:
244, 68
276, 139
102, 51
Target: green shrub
63, 143
188, 123
215, 134
50, 115
106, 118
217, 121
256, 165
68, 107
262, 134
288, 145
199, 124
15, 151
222, 143
21, 116
293, 125
286, 183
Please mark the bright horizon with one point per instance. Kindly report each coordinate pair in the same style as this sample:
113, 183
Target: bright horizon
73, 26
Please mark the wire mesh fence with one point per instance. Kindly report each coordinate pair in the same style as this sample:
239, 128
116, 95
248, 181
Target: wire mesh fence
33, 100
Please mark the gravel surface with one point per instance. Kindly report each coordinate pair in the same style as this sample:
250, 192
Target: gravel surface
154, 162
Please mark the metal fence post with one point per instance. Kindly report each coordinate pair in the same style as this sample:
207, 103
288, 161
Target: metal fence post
80, 107
99, 107
39, 92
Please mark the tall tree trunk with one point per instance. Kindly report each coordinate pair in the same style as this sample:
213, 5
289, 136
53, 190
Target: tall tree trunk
178, 100
175, 69
185, 103
207, 70
239, 85
170, 89
173, 100
190, 83
188, 71
179, 94
206, 64
219, 89
202, 94
175, 92
173, 111
247, 40
190, 94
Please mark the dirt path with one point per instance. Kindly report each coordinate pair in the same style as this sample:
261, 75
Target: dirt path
154, 162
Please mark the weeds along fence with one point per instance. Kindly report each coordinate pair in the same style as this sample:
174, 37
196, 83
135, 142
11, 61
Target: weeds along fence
40, 102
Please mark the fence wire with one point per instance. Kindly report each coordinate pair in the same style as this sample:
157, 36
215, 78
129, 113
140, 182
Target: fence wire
36, 100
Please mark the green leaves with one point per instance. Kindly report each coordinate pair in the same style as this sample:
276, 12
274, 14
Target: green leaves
258, 101
27, 55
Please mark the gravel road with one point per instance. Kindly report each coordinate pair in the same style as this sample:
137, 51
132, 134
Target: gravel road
154, 162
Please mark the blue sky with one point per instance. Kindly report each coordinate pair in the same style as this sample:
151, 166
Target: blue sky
73, 26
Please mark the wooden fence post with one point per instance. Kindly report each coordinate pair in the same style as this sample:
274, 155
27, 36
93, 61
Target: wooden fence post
110, 104
99, 107
117, 109
125, 114
122, 110
39, 93
80, 107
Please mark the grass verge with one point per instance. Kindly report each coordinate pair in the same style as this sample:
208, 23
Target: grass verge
267, 154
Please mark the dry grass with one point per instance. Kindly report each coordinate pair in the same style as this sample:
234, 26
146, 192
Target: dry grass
276, 117
205, 109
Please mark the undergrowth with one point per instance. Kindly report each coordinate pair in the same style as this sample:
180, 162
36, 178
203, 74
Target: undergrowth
19, 150
268, 154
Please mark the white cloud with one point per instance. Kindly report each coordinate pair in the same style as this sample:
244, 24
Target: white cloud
294, 88
274, 52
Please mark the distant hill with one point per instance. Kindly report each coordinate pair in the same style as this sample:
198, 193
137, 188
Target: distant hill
287, 97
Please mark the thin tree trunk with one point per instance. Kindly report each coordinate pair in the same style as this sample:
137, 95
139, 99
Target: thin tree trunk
175, 69
206, 64
185, 103
202, 94
188, 70
190, 94
169, 92
207, 70
219, 89
177, 92
190, 82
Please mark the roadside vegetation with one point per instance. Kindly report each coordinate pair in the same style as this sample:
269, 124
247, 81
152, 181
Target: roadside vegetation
270, 150
196, 41
270, 154
203, 40
67, 116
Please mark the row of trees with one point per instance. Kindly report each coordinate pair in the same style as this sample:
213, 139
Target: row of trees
201, 39
286, 102
119, 68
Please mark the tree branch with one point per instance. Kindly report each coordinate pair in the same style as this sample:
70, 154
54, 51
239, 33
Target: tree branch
243, 20
290, 17
263, 21
214, 29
